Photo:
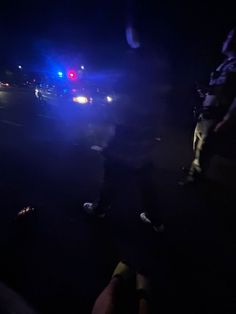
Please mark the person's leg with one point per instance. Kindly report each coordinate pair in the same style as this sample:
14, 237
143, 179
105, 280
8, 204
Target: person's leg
148, 189
143, 306
195, 167
143, 293
105, 196
106, 301
204, 147
104, 200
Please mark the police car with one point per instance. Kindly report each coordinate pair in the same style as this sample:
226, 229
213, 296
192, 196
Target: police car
72, 90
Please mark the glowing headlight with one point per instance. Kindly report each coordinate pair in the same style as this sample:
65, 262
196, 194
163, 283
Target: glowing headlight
109, 99
81, 100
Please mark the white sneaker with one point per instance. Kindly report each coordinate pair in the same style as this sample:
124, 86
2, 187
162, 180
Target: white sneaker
146, 220
89, 208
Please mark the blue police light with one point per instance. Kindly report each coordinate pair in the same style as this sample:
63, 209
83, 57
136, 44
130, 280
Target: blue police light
60, 74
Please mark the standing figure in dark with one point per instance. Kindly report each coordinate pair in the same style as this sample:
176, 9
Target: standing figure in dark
135, 141
217, 121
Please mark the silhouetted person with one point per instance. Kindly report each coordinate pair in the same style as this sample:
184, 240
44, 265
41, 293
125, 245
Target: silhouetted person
133, 145
217, 120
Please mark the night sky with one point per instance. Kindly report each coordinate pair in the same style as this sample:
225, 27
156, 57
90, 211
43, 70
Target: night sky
190, 33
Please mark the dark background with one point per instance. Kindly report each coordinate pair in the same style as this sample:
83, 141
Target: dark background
60, 260
189, 32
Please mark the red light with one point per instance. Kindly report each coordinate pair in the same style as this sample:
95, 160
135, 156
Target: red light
72, 75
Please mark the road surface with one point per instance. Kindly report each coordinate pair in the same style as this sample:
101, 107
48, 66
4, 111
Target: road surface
60, 260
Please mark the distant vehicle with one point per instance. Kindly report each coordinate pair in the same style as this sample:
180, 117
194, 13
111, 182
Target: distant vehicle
4, 84
78, 94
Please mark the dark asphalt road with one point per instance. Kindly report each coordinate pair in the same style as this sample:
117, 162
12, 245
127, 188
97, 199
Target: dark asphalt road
60, 260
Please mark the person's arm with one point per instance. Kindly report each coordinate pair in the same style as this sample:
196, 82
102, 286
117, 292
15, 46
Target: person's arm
229, 118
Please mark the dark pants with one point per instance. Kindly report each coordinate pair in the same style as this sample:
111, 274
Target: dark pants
144, 177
